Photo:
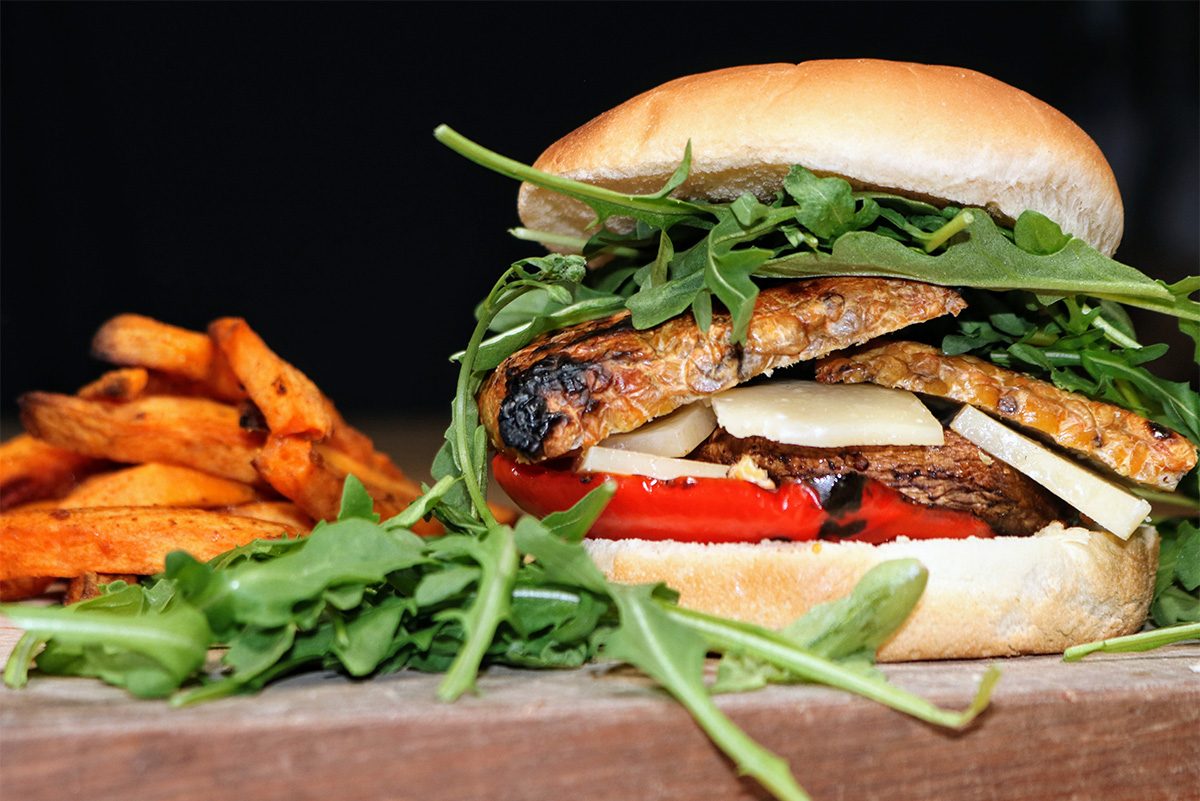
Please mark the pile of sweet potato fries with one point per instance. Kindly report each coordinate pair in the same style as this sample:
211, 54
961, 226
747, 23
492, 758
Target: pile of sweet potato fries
196, 442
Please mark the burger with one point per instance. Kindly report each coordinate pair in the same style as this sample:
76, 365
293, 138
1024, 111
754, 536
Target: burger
837, 313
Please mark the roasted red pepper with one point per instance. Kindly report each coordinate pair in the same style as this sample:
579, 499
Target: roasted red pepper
730, 510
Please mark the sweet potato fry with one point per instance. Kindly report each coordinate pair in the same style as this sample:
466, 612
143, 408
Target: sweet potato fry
31, 470
192, 432
289, 401
400, 489
290, 466
87, 586
281, 512
158, 485
311, 476
123, 384
71, 542
136, 341
18, 589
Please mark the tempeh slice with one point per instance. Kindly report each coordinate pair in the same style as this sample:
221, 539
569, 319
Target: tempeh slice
1122, 441
573, 388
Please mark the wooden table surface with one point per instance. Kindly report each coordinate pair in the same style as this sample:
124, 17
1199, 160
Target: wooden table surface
1117, 727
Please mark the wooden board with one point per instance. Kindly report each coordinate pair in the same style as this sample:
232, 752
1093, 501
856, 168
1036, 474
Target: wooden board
1112, 727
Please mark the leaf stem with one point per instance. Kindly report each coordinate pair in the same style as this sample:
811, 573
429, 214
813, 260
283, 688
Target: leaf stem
521, 172
461, 409
954, 226
1142, 641
768, 645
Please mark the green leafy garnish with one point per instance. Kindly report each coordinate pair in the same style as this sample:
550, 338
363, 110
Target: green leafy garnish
1177, 583
819, 227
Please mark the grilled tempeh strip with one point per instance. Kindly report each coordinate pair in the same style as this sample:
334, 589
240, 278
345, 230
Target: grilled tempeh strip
575, 387
1116, 438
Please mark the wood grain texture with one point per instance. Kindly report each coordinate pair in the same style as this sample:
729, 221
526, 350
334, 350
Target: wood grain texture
1055, 731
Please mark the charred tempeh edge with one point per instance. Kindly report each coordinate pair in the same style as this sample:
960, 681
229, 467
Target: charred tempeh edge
1122, 441
573, 388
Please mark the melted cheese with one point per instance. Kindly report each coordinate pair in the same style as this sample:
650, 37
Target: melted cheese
1101, 500
827, 415
676, 434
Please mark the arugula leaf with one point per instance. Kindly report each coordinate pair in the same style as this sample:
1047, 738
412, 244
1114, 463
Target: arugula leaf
1037, 234
825, 206
673, 655
656, 209
1177, 583
496, 554
849, 630
984, 258
356, 501
123, 638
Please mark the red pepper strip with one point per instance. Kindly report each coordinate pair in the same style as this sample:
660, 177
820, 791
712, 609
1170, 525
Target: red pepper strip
731, 510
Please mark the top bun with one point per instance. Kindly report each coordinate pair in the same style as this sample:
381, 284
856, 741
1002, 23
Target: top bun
945, 134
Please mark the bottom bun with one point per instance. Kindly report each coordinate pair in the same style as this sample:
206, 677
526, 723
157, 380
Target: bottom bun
985, 597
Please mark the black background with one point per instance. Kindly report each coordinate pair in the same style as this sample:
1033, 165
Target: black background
275, 161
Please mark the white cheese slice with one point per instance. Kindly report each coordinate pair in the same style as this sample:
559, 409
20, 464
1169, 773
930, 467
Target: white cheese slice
1103, 501
632, 463
827, 415
676, 434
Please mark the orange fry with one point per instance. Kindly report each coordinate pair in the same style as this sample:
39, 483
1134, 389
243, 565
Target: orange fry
289, 401
192, 432
71, 542
122, 384
158, 485
289, 465
137, 341
312, 476
282, 512
31, 470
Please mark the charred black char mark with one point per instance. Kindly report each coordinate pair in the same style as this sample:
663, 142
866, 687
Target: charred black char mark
524, 420
840, 496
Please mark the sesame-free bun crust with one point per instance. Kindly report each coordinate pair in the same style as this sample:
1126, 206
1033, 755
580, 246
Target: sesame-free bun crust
940, 133
985, 597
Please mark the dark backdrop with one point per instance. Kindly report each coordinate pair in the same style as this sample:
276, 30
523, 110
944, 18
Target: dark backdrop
275, 161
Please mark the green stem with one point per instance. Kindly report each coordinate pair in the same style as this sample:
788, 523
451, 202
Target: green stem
495, 591
954, 226
1142, 641
461, 409
16, 671
771, 646
1111, 332
565, 186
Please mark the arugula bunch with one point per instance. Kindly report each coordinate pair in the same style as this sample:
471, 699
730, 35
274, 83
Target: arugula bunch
366, 597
